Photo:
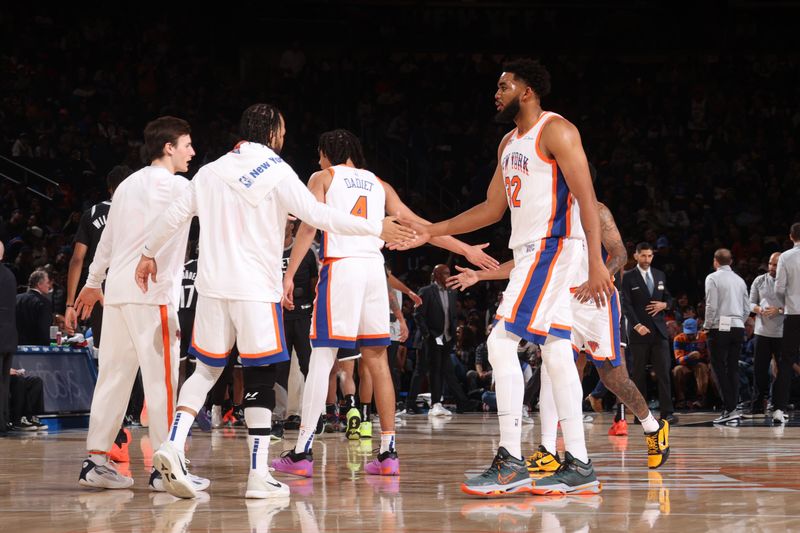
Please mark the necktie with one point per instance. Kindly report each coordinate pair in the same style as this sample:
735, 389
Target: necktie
648, 279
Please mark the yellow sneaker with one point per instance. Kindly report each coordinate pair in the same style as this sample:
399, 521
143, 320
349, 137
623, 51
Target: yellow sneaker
353, 424
365, 430
658, 445
542, 461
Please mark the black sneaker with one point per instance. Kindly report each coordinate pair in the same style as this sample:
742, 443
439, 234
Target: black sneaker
572, 477
23, 425
276, 433
293, 422
40, 426
507, 475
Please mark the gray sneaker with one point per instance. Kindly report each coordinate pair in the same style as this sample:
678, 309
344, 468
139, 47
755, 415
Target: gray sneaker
507, 475
103, 476
573, 477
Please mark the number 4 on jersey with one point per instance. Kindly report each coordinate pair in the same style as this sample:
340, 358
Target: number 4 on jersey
360, 207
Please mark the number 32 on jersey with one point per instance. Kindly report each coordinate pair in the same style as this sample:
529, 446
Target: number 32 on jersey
513, 185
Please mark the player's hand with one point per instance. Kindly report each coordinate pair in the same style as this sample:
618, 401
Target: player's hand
145, 270
415, 298
396, 233
288, 293
421, 236
403, 331
71, 319
582, 293
86, 300
599, 286
466, 278
477, 257
655, 307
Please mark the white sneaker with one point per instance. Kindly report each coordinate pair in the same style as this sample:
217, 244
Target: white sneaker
216, 416
103, 476
439, 410
588, 418
526, 417
780, 417
265, 487
157, 482
170, 463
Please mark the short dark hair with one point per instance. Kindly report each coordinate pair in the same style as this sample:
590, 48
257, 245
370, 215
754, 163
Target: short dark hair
533, 73
116, 175
723, 256
161, 131
643, 246
794, 231
340, 145
36, 277
260, 123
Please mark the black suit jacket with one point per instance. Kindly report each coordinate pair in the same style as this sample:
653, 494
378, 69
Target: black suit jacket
8, 313
429, 317
34, 318
635, 298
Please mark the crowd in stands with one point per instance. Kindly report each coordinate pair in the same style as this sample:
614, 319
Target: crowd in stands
693, 153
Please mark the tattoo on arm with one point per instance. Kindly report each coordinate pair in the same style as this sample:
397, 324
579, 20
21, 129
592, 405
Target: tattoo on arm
393, 305
612, 241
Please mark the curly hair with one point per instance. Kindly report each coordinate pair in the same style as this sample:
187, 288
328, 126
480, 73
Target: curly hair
533, 73
340, 145
260, 123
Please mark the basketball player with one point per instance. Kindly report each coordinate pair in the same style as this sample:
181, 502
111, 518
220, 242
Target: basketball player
139, 330
597, 332
352, 306
541, 172
242, 200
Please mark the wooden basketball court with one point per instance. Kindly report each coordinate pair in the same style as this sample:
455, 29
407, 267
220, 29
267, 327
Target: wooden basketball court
727, 479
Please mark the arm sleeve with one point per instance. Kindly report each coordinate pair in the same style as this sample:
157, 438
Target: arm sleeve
44, 319
102, 256
745, 302
755, 295
780, 282
297, 199
181, 210
627, 303
667, 297
711, 302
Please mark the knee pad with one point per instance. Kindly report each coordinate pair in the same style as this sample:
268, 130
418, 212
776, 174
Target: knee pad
259, 386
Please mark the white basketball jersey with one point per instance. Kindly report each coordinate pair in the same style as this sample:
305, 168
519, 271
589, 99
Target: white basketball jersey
537, 193
359, 192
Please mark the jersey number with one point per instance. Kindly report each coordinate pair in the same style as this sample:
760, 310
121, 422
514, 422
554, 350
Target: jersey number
513, 186
187, 297
360, 208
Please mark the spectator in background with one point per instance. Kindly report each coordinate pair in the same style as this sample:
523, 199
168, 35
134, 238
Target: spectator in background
481, 376
727, 307
35, 311
644, 299
768, 334
26, 401
8, 337
691, 358
787, 290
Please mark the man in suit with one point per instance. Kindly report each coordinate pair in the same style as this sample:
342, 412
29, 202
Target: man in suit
35, 310
644, 298
436, 321
8, 336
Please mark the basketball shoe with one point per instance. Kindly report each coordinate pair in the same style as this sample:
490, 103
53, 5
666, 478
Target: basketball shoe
386, 464
103, 476
156, 482
365, 431
261, 487
572, 477
506, 475
658, 445
353, 424
299, 464
172, 466
618, 428
119, 451
542, 461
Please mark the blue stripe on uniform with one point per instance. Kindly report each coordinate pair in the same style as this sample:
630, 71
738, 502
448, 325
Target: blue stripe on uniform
562, 196
175, 426
255, 453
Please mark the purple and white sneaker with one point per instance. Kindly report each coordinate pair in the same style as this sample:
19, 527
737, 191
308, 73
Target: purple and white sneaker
299, 464
387, 464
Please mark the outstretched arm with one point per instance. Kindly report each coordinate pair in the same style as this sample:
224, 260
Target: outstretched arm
468, 277
474, 254
395, 283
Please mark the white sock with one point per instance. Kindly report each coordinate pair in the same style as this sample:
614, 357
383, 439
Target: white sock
650, 424
314, 393
387, 441
509, 387
98, 458
567, 393
548, 415
181, 424
259, 422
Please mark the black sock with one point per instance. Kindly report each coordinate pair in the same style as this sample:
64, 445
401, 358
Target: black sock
330, 409
366, 409
350, 401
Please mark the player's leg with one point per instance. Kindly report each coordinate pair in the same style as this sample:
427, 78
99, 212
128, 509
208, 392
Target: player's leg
365, 394
545, 458
376, 361
116, 375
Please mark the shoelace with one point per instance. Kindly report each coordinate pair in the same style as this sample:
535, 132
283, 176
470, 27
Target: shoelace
652, 444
